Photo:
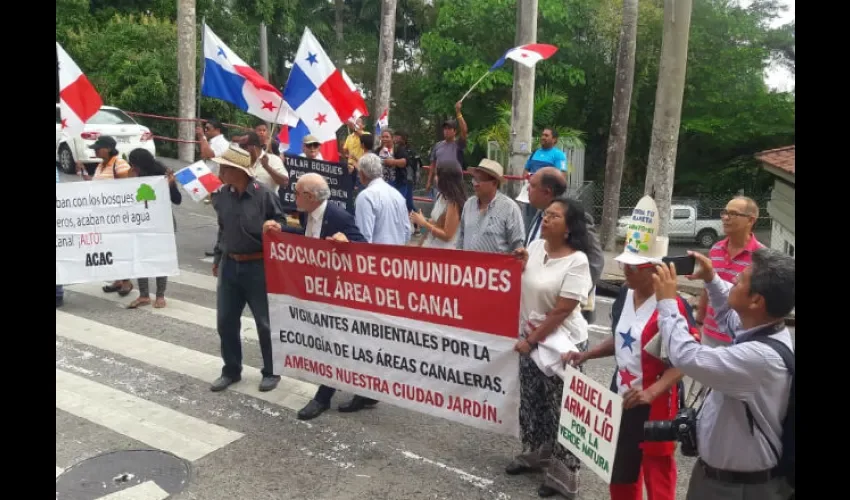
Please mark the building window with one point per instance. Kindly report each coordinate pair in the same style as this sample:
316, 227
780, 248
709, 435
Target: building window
789, 249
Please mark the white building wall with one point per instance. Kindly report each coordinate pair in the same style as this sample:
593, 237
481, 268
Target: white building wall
782, 239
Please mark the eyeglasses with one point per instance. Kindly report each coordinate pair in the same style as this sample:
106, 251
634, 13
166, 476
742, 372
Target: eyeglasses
312, 146
732, 213
552, 215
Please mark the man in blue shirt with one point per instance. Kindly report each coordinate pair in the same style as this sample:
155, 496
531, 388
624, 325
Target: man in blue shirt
548, 155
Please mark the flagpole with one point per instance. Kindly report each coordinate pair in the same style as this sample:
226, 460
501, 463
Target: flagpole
203, 63
474, 85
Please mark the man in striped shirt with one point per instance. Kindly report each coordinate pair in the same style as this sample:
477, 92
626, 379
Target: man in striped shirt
730, 257
490, 221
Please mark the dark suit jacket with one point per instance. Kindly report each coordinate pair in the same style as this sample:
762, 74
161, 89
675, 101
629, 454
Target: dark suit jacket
336, 220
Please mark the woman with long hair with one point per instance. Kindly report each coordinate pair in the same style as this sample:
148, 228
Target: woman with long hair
444, 224
555, 282
143, 164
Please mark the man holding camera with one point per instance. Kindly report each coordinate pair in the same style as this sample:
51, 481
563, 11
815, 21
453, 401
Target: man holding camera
744, 429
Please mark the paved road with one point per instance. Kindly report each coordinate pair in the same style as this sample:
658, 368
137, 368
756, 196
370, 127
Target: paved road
134, 379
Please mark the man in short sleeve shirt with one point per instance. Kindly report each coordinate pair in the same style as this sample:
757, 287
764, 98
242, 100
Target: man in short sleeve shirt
730, 257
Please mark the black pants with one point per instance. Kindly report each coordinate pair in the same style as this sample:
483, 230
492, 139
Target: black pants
325, 393
241, 283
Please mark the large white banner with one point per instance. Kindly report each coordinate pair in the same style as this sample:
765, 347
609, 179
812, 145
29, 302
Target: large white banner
429, 330
115, 229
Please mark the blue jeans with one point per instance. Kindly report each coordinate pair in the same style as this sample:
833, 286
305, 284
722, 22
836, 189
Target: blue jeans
406, 190
241, 283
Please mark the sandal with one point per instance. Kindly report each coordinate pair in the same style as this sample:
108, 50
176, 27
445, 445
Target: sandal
123, 292
140, 301
159, 303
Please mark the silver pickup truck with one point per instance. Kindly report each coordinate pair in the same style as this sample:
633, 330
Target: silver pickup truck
684, 226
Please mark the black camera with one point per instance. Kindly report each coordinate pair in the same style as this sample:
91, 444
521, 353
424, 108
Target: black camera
683, 428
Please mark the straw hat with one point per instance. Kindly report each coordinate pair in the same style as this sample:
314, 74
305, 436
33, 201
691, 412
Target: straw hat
236, 157
491, 168
643, 245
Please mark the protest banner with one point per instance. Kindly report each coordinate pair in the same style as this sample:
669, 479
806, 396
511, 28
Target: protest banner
339, 180
114, 229
429, 330
590, 421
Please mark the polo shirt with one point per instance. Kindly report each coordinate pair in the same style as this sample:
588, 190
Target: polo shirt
728, 268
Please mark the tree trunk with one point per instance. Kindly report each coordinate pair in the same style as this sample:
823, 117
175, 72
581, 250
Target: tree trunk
661, 164
186, 77
619, 124
383, 84
339, 27
522, 100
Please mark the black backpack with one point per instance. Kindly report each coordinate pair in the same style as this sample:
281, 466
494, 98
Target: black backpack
787, 463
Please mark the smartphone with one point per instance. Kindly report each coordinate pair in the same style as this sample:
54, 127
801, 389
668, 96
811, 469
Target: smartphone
686, 264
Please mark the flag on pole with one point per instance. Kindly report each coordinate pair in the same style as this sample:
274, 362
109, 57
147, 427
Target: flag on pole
198, 180
322, 96
383, 123
78, 99
229, 78
528, 55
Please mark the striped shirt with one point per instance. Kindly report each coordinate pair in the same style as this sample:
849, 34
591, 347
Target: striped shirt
728, 268
499, 229
105, 171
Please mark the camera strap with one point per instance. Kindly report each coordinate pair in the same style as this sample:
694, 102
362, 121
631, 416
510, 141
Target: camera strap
766, 331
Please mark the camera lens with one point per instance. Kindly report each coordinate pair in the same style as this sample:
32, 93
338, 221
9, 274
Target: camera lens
660, 430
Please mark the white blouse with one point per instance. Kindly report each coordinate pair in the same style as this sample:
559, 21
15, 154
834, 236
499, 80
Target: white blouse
543, 283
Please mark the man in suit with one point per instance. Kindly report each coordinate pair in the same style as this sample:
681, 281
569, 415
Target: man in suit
545, 185
321, 219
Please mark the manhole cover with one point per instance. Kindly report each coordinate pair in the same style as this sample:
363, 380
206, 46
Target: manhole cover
153, 474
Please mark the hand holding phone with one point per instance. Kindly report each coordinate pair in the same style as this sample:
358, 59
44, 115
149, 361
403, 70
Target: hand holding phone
685, 264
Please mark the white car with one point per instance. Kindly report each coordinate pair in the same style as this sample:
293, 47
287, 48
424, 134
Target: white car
109, 121
684, 226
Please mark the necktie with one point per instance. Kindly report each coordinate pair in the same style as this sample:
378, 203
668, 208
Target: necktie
534, 227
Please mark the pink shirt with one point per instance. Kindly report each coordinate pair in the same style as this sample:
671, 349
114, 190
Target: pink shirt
728, 267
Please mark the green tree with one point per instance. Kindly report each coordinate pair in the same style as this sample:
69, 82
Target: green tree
145, 193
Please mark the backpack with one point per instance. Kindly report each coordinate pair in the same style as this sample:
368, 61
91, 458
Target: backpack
787, 464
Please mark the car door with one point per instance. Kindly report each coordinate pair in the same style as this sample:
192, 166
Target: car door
58, 127
683, 222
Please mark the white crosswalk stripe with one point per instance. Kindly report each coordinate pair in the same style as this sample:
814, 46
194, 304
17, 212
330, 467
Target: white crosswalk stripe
85, 395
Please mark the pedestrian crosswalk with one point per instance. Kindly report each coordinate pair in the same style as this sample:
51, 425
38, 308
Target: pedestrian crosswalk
120, 373
134, 418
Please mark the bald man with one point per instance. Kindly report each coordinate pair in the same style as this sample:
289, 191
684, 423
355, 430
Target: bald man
545, 185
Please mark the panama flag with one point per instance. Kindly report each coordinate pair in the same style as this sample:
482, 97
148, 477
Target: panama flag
528, 55
198, 180
383, 122
323, 98
229, 78
78, 100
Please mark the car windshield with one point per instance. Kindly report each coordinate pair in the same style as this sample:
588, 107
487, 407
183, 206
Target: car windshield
110, 117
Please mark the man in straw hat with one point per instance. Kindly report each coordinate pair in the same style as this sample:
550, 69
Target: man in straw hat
490, 221
311, 148
648, 384
242, 205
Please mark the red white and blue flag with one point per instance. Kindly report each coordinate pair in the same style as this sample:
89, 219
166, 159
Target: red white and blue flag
322, 96
528, 55
198, 180
383, 123
229, 78
78, 99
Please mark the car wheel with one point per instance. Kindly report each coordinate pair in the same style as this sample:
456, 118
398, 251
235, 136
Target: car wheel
707, 238
66, 160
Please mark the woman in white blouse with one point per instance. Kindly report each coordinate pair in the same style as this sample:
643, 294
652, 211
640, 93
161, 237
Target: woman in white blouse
555, 282
444, 224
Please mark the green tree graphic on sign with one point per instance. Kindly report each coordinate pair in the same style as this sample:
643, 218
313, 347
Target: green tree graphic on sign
145, 194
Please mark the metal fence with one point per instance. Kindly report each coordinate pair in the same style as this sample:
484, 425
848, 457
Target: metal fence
695, 219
